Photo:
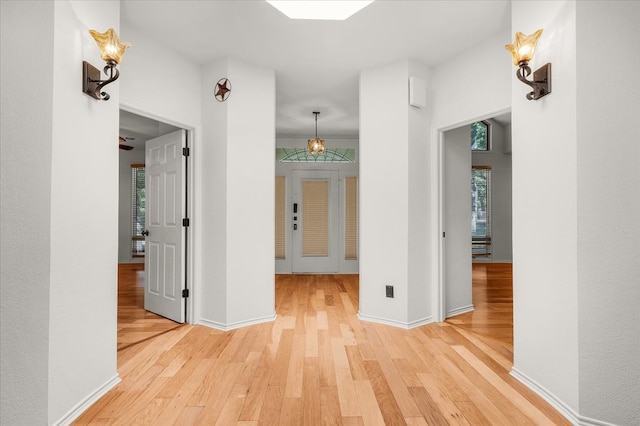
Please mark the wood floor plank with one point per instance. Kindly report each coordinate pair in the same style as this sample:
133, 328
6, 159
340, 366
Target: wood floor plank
369, 407
255, 395
291, 413
330, 414
347, 395
501, 385
272, 407
218, 393
311, 404
317, 363
293, 386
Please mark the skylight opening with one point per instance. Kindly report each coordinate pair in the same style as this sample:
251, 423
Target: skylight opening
319, 9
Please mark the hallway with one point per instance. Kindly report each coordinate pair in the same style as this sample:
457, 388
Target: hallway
316, 364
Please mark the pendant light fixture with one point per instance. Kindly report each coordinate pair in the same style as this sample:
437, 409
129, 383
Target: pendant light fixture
316, 145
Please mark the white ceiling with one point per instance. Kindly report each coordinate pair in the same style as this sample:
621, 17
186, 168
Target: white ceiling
317, 63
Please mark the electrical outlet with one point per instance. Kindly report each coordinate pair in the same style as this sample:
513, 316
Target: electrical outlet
389, 291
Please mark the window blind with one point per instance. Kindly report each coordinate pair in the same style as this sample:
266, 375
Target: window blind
351, 219
315, 218
481, 211
137, 209
280, 217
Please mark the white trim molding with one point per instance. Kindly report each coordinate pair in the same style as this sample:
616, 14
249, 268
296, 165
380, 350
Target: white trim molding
91, 399
460, 310
556, 402
395, 323
234, 325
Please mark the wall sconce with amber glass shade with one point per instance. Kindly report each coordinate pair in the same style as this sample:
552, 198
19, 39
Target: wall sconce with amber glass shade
111, 51
522, 51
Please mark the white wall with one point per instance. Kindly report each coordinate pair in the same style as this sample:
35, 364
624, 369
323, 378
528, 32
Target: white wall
238, 163
473, 85
213, 165
500, 163
393, 155
68, 204
582, 305
608, 202
457, 220
126, 159
384, 198
545, 287
419, 215
27, 30
159, 83
458, 159
84, 215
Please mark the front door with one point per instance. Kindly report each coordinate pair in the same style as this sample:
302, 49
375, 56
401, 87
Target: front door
165, 235
315, 221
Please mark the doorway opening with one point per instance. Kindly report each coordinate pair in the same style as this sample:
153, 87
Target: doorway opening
316, 225
475, 215
138, 208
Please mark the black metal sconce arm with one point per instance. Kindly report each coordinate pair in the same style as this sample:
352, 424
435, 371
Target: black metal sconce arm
541, 83
92, 84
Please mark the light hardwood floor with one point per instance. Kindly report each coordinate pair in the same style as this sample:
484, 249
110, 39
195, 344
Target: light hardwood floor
316, 364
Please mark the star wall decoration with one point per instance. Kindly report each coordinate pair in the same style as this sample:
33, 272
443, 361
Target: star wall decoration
223, 89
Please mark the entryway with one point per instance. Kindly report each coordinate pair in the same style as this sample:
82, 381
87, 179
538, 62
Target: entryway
154, 210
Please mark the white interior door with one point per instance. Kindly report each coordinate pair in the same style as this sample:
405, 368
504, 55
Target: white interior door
457, 221
165, 207
315, 226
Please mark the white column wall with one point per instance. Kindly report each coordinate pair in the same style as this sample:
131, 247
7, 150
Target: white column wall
212, 157
545, 293
27, 30
84, 216
608, 177
394, 214
384, 196
238, 171
419, 214
250, 195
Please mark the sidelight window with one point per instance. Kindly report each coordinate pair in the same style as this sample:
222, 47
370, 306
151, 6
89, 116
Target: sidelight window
137, 209
481, 211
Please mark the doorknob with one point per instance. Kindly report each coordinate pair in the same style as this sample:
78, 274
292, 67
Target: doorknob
145, 233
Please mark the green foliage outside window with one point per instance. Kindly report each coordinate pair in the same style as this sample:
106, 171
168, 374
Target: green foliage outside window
480, 136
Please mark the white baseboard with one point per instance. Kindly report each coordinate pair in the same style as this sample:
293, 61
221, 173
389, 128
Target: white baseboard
91, 399
232, 326
421, 322
460, 310
395, 323
556, 402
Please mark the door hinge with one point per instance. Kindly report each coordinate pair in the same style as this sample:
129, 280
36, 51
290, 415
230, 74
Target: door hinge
185, 292
185, 152
443, 235
185, 221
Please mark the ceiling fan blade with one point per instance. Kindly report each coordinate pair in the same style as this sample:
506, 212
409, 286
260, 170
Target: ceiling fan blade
125, 147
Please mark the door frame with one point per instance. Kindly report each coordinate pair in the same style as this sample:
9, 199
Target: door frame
438, 220
190, 231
